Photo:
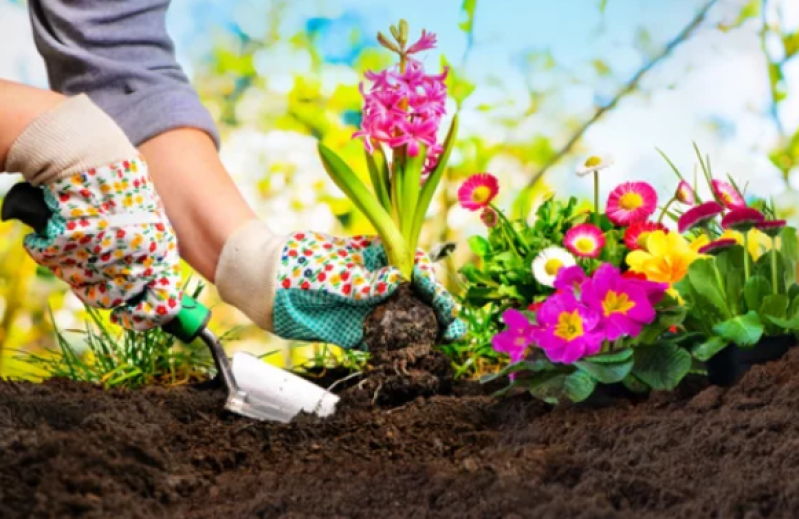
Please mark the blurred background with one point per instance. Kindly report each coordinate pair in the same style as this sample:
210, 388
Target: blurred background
538, 83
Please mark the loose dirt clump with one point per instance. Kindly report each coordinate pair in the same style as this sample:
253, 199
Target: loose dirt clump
72, 450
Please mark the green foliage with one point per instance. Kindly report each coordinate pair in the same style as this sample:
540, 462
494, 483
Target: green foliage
116, 358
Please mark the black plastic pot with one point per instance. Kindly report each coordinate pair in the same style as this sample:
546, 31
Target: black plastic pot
730, 364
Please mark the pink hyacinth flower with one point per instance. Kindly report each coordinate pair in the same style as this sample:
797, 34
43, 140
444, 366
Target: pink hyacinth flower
426, 42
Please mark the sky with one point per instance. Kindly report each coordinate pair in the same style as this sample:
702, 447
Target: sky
718, 80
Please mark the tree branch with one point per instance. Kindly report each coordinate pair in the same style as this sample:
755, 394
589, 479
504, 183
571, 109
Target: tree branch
630, 87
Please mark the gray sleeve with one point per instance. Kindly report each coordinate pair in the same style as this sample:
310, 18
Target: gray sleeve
118, 52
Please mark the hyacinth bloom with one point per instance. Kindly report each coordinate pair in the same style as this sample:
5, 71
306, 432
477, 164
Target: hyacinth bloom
517, 338
666, 258
742, 219
478, 191
569, 330
623, 305
698, 216
570, 279
716, 246
635, 236
549, 263
685, 193
631, 202
772, 228
489, 217
585, 240
727, 194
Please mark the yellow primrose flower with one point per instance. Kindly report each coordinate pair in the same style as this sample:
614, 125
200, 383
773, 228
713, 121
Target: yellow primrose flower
666, 258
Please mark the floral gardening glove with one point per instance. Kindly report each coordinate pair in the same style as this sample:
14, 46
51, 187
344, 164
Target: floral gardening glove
314, 287
108, 236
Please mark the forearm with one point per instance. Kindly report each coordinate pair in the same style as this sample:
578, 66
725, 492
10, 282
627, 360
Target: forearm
20, 105
201, 200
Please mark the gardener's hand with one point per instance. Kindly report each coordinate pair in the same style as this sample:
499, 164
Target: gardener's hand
321, 288
108, 236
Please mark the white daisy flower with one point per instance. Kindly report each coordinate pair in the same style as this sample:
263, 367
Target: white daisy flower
549, 262
594, 163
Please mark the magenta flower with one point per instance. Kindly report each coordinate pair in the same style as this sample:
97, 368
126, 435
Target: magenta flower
569, 330
685, 193
772, 227
624, 306
636, 235
699, 215
585, 240
426, 42
631, 202
717, 246
489, 217
570, 279
478, 191
742, 219
727, 194
415, 132
517, 338
654, 291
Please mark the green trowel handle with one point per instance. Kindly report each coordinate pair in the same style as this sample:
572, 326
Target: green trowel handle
190, 321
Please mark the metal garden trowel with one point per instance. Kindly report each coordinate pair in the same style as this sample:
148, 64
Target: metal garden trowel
255, 389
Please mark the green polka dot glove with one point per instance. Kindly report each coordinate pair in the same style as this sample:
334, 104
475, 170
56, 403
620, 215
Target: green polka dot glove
324, 287
108, 236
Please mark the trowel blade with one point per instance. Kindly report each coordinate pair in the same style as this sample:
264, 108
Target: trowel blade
276, 392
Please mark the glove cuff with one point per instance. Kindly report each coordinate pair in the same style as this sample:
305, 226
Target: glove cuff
246, 275
74, 136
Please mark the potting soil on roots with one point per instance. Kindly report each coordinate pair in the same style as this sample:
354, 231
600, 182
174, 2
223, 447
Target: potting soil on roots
73, 450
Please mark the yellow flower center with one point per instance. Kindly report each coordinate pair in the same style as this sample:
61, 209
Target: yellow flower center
481, 195
585, 245
570, 326
593, 161
631, 201
552, 266
616, 303
521, 342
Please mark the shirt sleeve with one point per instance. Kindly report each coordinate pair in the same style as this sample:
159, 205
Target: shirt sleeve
118, 52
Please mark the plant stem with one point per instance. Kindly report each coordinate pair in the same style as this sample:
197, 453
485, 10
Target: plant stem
513, 230
666, 209
596, 198
774, 277
747, 259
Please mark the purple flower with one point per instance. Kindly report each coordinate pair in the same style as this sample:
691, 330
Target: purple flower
623, 304
570, 279
569, 330
517, 338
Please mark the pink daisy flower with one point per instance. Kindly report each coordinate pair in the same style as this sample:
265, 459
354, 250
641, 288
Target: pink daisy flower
742, 219
772, 227
631, 202
478, 191
685, 193
717, 246
489, 217
585, 240
727, 194
635, 236
699, 215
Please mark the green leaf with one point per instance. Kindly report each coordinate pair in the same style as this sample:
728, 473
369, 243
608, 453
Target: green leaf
603, 4
671, 164
579, 386
789, 244
791, 325
534, 366
755, 290
710, 347
634, 384
430, 186
790, 42
662, 366
606, 373
613, 357
479, 245
775, 305
409, 197
743, 330
357, 192
549, 387
702, 275
379, 173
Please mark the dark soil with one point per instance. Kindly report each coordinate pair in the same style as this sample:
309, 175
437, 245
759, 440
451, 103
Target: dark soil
72, 450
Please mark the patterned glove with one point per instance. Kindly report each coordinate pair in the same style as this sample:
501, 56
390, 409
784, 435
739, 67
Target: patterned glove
314, 287
108, 236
